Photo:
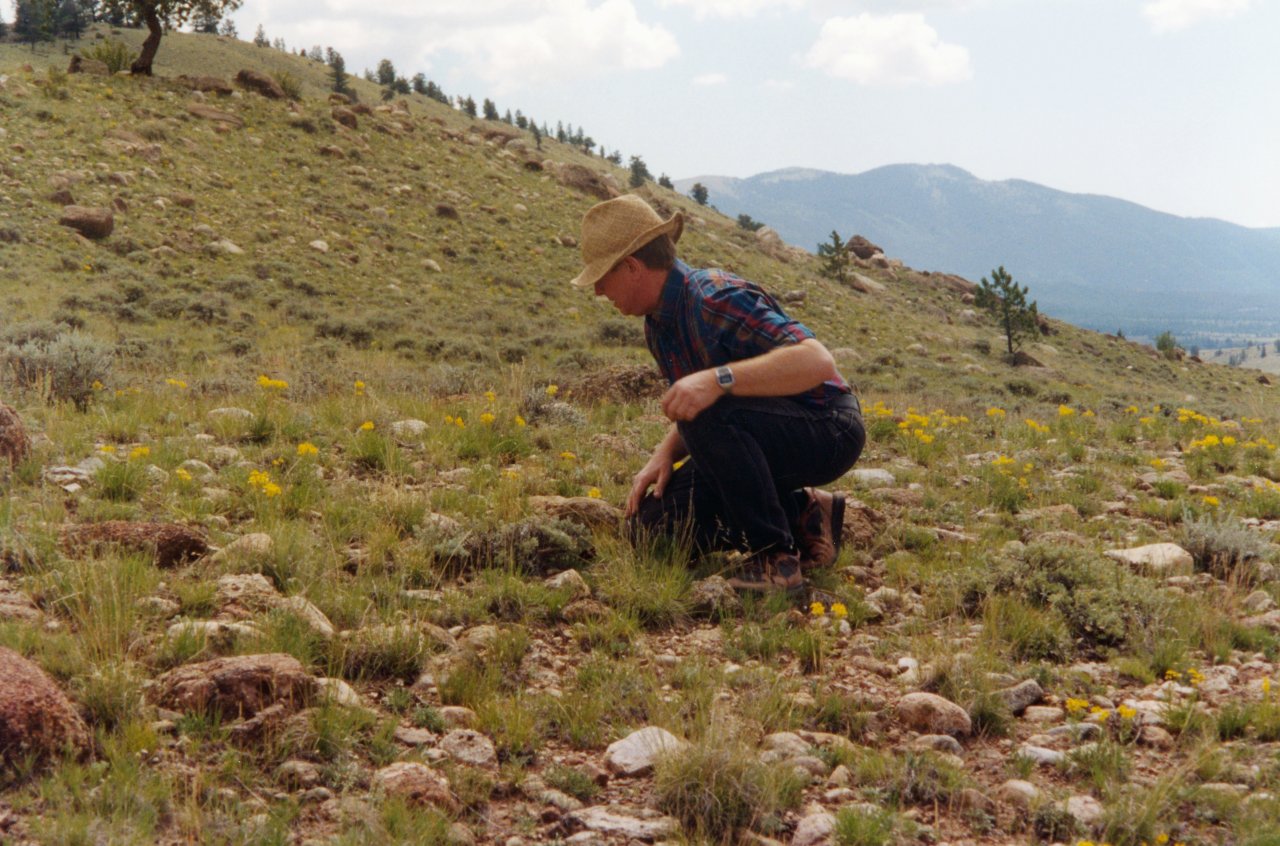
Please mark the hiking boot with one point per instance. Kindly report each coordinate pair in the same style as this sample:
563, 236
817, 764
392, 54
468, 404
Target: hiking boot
818, 529
770, 572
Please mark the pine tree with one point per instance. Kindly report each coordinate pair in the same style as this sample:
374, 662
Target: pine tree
72, 17
639, 172
419, 83
227, 29
537, 142
260, 37
665, 182
206, 22
699, 193
338, 72
34, 21
469, 106
834, 255
386, 74
490, 109
521, 121
1007, 302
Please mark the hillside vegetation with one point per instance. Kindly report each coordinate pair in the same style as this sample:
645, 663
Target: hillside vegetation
312, 535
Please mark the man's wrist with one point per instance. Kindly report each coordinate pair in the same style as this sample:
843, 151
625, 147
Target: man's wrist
724, 378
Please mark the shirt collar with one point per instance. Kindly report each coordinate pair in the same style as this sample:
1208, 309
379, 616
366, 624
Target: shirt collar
672, 293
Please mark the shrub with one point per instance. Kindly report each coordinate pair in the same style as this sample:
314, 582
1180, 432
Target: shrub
116, 55
717, 786
1221, 545
291, 85
66, 366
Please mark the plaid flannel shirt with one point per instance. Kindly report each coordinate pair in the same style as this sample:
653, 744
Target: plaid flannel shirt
707, 318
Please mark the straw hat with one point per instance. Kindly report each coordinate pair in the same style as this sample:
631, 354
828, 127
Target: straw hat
615, 229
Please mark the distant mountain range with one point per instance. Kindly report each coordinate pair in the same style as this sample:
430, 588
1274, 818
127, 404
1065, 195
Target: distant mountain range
1094, 261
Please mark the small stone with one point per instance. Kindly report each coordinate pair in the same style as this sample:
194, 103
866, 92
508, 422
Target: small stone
1020, 696
319, 246
1085, 809
469, 747
1018, 793
1156, 558
416, 783
1155, 737
789, 744
223, 247
570, 581
624, 821
1040, 755
814, 830
410, 429
939, 743
634, 754
873, 477
1043, 714
456, 716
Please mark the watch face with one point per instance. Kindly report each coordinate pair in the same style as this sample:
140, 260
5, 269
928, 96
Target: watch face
724, 376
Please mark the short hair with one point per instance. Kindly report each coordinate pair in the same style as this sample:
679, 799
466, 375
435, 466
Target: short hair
658, 254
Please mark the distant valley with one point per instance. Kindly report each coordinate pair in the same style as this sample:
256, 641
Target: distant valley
1095, 261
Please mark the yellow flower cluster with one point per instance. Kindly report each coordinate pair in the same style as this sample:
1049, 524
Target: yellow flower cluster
996, 413
487, 419
1002, 461
261, 481
1187, 415
183, 475
1077, 706
268, 384
176, 383
594, 493
1066, 411
307, 448
552, 390
140, 452
881, 410
1036, 426
367, 426
359, 385
1126, 713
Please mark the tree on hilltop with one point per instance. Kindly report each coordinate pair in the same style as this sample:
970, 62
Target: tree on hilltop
699, 193
639, 172
260, 37
1007, 302
34, 21
386, 73
338, 72
159, 14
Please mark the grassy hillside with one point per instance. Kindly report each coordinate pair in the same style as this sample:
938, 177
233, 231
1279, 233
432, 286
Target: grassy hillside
364, 408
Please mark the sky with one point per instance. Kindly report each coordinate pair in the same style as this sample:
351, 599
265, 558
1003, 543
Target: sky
1172, 104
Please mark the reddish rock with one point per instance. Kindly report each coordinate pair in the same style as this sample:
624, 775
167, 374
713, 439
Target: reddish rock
170, 543
36, 718
417, 784
91, 222
14, 443
345, 116
584, 179
261, 83
929, 713
862, 248
238, 686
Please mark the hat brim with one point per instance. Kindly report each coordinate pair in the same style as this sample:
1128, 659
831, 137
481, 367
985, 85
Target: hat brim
595, 271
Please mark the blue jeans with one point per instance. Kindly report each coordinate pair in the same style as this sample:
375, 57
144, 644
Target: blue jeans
749, 458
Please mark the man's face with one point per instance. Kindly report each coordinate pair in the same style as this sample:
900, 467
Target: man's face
622, 286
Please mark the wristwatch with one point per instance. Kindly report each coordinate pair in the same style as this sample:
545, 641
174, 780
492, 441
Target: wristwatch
724, 378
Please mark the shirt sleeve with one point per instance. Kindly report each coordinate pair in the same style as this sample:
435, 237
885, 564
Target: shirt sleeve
748, 322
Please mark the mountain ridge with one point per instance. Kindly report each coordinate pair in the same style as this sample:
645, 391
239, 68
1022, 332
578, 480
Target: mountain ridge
1141, 270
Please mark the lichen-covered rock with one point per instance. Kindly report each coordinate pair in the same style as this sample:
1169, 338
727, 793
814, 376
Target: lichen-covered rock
237, 686
171, 543
589, 511
536, 546
257, 81
37, 721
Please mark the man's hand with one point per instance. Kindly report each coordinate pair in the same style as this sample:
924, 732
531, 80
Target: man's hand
656, 472
691, 395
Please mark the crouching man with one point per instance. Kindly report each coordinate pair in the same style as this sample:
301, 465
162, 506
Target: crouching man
755, 403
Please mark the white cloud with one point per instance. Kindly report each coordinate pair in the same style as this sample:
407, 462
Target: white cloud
730, 8
711, 79
1169, 15
548, 40
887, 50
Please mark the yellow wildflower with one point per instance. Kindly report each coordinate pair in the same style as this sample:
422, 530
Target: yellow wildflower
1088, 412
1157, 463
1266, 685
594, 493
140, 452
176, 383
107, 448
307, 448
271, 489
520, 421
1172, 675
459, 422
1227, 440
552, 390
490, 396
268, 384
1126, 713
1065, 411
1133, 409
995, 413
1162, 839
182, 475
1076, 706
367, 426
97, 386
359, 385
839, 611
568, 456
1211, 501
1101, 713
1194, 677
487, 419
1002, 461
817, 609
448, 419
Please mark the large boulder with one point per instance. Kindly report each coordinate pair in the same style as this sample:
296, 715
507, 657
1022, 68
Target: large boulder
257, 81
929, 713
171, 543
584, 179
207, 84
37, 721
1160, 559
79, 64
14, 442
862, 248
238, 686
635, 754
90, 221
